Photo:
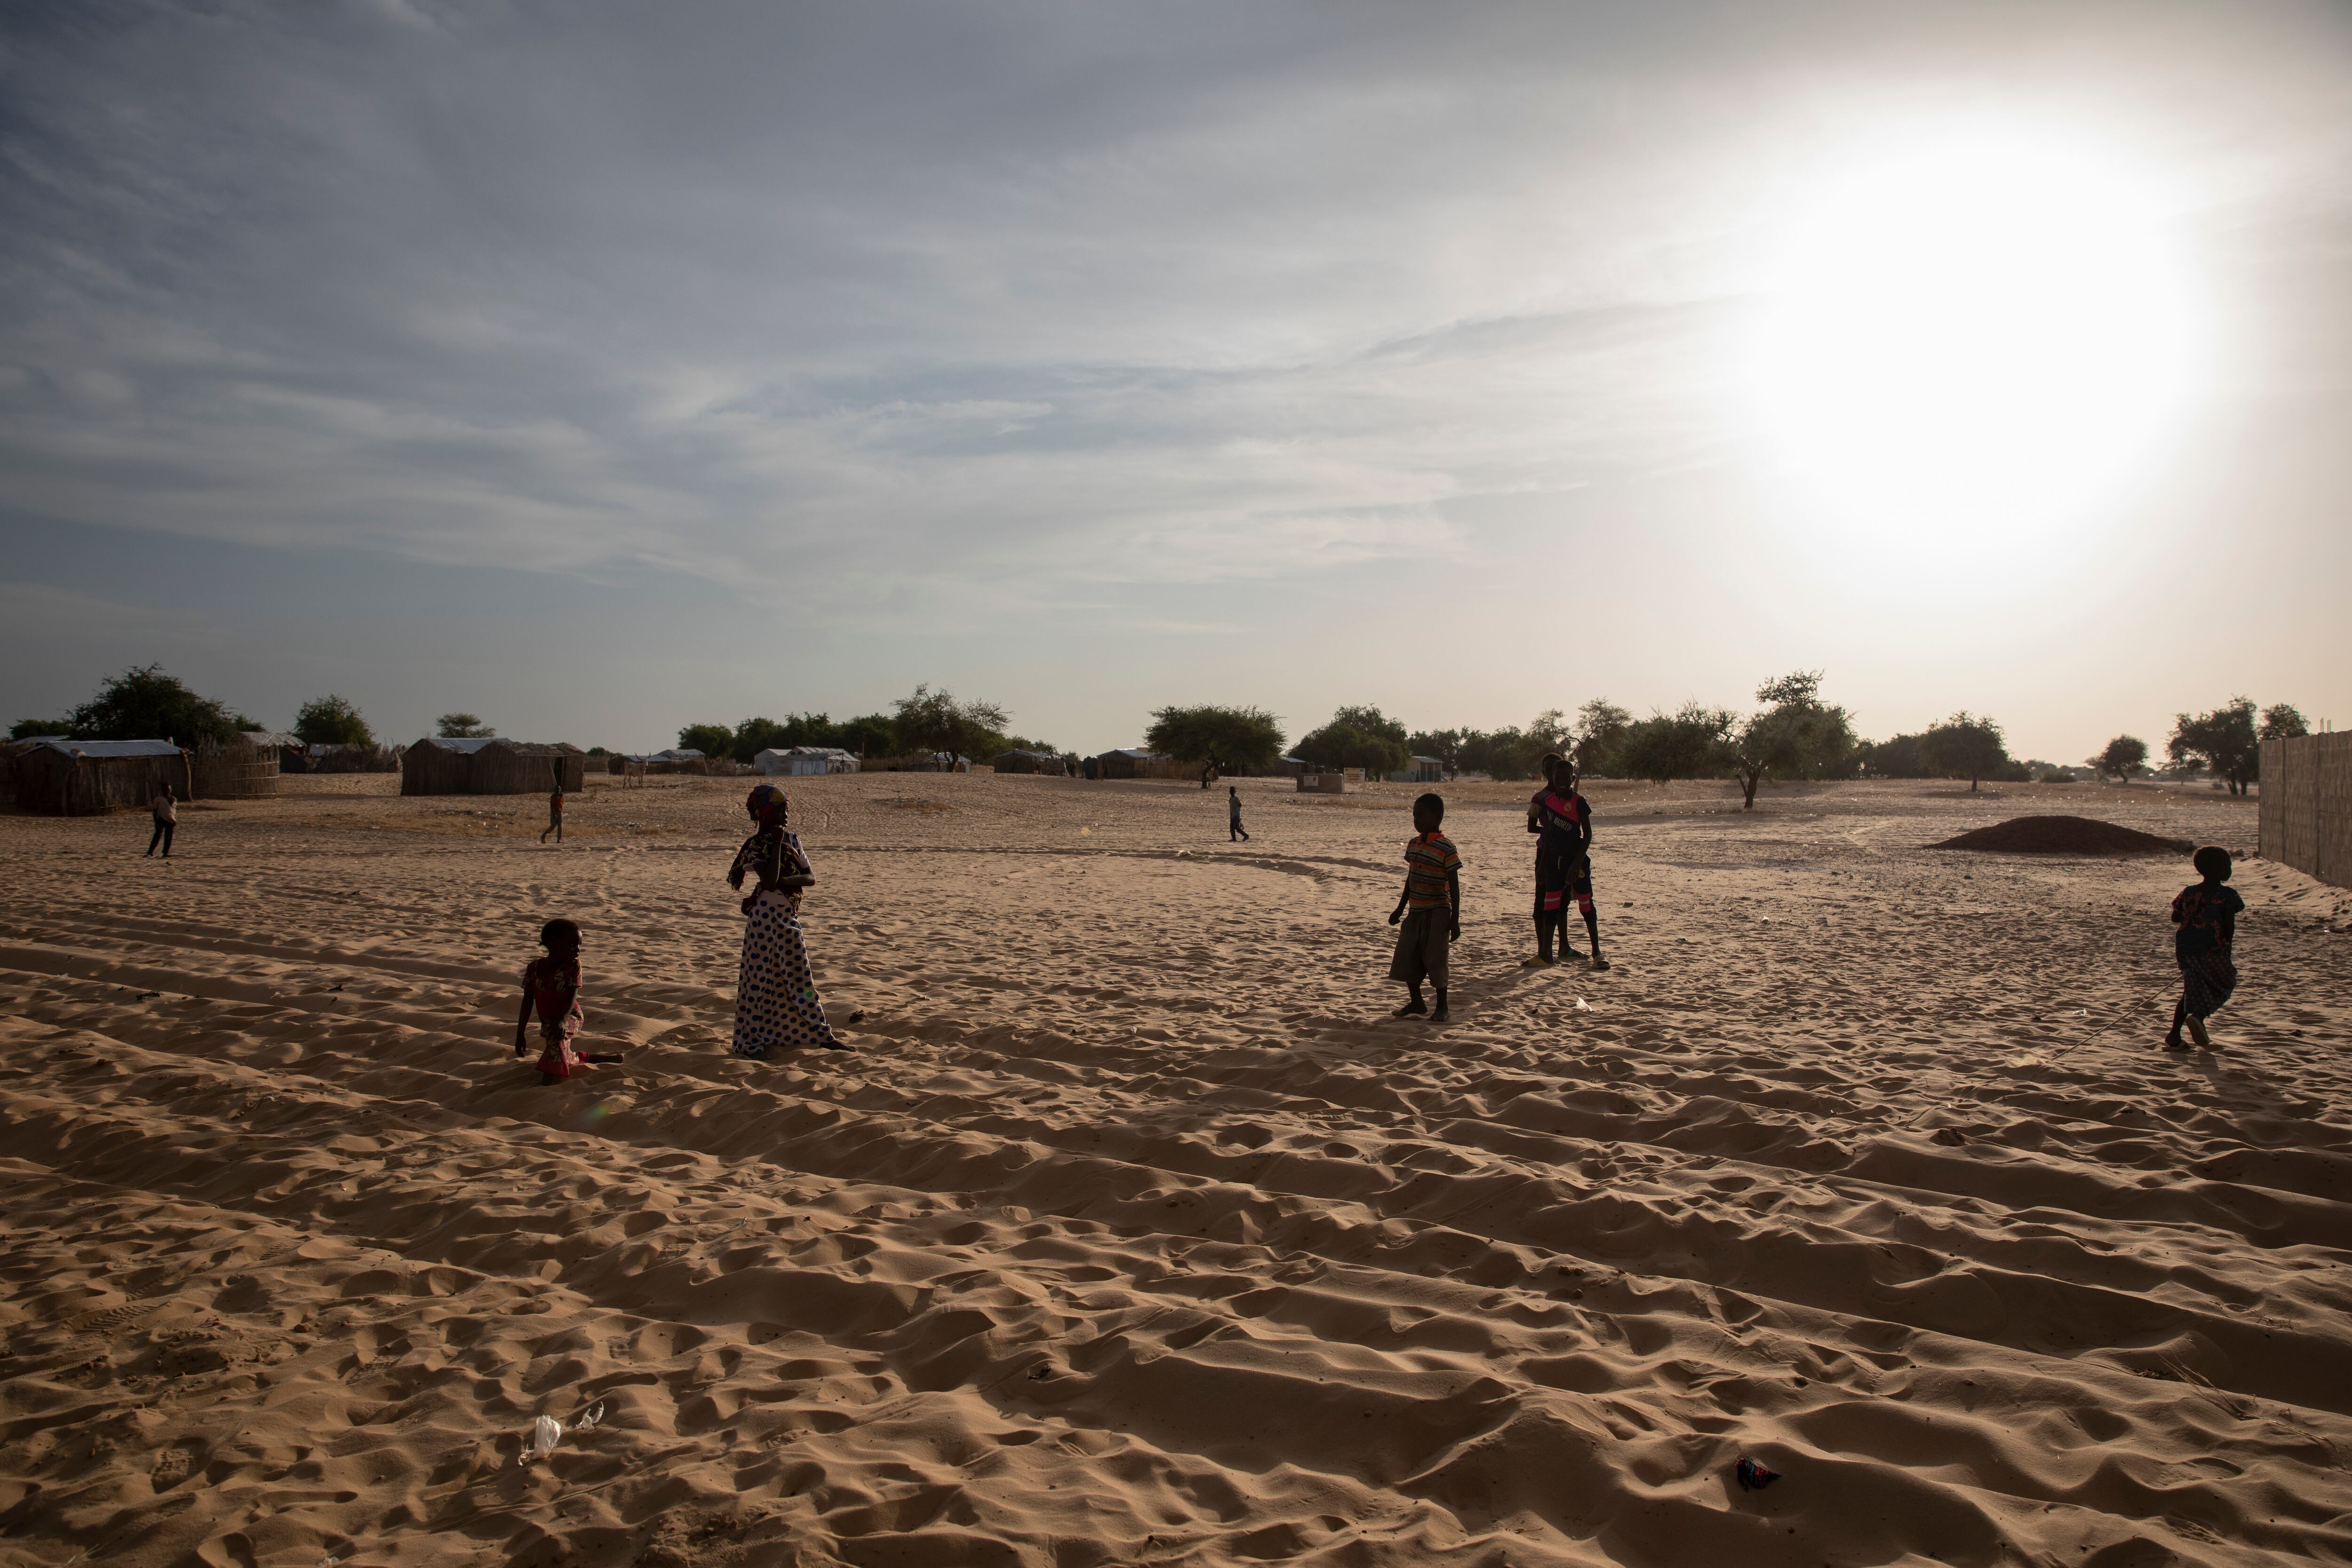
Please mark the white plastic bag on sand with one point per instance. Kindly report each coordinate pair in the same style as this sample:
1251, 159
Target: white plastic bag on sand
547, 1431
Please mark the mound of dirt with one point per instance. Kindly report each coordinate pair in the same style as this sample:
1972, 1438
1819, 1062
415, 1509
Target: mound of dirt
2063, 836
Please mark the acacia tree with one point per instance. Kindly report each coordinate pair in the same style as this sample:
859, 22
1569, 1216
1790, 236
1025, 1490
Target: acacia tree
710, 739
1965, 745
1601, 727
2123, 758
2283, 722
1362, 737
461, 727
1691, 743
1242, 737
332, 721
1499, 753
869, 735
1796, 735
937, 721
143, 703
2224, 740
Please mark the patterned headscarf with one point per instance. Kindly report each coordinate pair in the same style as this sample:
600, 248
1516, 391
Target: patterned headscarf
763, 799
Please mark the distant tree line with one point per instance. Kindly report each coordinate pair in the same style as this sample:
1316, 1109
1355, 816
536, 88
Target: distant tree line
1792, 735
147, 702
923, 721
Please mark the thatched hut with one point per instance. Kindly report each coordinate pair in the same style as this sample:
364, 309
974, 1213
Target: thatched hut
1135, 762
242, 769
491, 765
9, 751
1022, 761
90, 778
293, 754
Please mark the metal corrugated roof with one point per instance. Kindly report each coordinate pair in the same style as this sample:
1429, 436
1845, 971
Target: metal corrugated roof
114, 748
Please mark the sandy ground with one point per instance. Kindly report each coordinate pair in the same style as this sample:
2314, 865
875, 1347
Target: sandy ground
1134, 1232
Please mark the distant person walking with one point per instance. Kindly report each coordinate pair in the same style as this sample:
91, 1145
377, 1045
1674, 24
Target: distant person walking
554, 815
1234, 828
776, 1006
167, 820
2207, 913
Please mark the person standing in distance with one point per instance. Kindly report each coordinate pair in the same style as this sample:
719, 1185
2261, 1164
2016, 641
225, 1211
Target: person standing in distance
167, 821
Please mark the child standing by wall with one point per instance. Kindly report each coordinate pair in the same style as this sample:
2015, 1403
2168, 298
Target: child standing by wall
2207, 913
1430, 910
551, 985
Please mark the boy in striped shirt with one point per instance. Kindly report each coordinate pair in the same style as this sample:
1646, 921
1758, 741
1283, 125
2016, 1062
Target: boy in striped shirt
1430, 908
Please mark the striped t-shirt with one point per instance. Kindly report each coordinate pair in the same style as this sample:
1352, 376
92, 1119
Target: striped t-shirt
1427, 858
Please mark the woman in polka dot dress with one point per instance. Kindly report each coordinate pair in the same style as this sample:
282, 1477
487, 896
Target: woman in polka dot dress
776, 1007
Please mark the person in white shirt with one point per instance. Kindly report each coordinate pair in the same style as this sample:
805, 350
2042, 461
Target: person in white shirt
167, 817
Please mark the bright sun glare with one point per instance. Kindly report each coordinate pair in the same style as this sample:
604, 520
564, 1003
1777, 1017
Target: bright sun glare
1981, 331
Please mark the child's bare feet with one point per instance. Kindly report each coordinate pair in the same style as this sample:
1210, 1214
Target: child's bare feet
1412, 1009
1441, 1016
2175, 1043
2197, 1033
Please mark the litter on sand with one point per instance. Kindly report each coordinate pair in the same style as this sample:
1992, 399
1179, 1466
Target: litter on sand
1753, 1476
547, 1431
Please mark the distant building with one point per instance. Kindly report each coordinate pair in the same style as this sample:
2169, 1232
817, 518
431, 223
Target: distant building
243, 769
90, 778
803, 761
1424, 770
293, 754
1135, 762
1020, 761
490, 764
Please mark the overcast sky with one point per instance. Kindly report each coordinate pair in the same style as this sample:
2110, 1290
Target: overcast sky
601, 368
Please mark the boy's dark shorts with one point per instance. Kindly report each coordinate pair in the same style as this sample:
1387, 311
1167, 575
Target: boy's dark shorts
1559, 879
1421, 948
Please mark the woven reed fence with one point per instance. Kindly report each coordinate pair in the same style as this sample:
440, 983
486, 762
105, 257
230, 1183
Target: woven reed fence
232, 770
2307, 806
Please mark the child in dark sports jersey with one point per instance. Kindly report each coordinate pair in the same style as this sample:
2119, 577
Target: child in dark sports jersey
1430, 910
550, 987
2207, 913
1551, 914
1563, 863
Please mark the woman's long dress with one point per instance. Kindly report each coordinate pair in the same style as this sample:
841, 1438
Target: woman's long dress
776, 1006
